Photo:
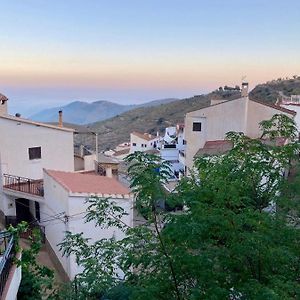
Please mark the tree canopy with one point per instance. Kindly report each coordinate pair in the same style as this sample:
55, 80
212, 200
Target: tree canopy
237, 236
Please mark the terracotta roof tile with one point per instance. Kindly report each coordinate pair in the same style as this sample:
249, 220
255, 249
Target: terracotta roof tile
121, 152
214, 147
88, 183
292, 112
145, 136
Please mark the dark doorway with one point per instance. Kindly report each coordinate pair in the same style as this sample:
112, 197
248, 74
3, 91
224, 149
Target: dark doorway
22, 210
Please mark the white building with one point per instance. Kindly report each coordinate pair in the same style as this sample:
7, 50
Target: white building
143, 142
212, 123
171, 146
292, 103
27, 193
66, 194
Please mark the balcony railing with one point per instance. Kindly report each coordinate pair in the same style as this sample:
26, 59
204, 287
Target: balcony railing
23, 184
7, 248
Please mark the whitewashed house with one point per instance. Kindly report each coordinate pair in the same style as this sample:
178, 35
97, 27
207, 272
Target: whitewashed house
205, 129
66, 193
51, 199
171, 146
143, 142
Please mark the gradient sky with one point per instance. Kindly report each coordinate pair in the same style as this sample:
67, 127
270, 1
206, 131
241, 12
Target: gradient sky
132, 51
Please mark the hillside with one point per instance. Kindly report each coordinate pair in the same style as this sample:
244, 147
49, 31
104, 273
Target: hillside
270, 91
151, 119
80, 112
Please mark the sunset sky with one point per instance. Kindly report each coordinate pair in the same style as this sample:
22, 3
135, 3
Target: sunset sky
132, 51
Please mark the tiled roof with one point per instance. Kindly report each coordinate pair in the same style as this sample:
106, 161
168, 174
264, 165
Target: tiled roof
39, 124
215, 147
102, 158
121, 152
145, 136
88, 183
292, 112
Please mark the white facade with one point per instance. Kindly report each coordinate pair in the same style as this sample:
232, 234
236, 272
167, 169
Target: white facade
72, 207
213, 122
142, 142
18, 135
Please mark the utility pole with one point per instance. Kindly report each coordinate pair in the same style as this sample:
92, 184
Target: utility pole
97, 150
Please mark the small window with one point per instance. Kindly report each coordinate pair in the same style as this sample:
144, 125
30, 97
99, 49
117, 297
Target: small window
196, 126
35, 153
133, 144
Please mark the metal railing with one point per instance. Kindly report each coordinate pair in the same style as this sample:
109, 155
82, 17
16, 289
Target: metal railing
7, 247
23, 184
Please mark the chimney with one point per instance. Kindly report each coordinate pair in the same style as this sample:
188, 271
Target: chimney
244, 91
3, 104
60, 118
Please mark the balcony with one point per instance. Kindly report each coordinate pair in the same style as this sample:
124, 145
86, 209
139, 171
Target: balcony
7, 254
24, 185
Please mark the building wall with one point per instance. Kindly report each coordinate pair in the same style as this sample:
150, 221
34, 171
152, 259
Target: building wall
296, 108
16, 138
216, 121
58, 200
139, 141
13, 283
256, 113
78, 163
77, 224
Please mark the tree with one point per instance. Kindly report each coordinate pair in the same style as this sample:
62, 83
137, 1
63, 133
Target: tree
37, 280
233, 240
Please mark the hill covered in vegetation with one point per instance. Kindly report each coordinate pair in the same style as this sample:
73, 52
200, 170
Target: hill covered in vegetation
152, 119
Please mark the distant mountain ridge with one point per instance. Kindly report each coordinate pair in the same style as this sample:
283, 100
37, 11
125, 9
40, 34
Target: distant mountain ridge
80, 112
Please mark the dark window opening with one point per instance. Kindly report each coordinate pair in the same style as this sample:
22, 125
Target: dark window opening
133, 144
35, 153
197, 126
170, 146
37, 211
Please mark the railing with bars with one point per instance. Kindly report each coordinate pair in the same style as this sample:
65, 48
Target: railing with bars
23, 184
8, 253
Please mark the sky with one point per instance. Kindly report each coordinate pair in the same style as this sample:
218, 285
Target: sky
133, 51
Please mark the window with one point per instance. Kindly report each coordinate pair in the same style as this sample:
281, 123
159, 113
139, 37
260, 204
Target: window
133, 144
196, 126
35, 153
184, 142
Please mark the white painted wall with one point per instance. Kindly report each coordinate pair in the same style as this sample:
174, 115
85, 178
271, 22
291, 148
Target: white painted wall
14, 284
89, 162
139, 141
16, 138
56, 198
60, 200
295, 108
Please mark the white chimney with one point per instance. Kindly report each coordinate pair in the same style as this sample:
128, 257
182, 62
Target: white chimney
244, 91
60, 118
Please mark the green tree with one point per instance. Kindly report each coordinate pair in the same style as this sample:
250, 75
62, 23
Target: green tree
233, 240
37, 280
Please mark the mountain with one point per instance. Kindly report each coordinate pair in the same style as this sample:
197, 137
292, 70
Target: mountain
80, 112
150, 119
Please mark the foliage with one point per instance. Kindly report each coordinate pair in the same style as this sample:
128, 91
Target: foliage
37, 280
233, 240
